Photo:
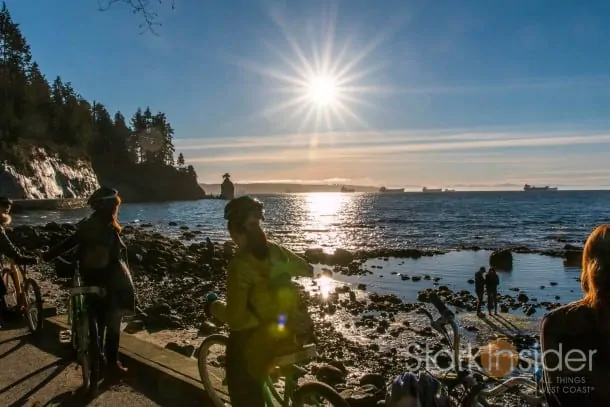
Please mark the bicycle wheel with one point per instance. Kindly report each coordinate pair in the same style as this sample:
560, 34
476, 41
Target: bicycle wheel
317, 394
212, 370
11, 283
33, 305
88, 353
94, 356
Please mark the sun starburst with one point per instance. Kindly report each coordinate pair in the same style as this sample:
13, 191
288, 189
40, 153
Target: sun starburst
321, 88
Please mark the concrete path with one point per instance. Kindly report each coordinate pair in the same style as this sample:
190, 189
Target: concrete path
41, 373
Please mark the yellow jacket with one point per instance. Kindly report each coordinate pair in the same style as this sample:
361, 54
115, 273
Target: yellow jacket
248, 289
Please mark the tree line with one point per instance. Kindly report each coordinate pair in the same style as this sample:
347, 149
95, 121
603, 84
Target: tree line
53, 115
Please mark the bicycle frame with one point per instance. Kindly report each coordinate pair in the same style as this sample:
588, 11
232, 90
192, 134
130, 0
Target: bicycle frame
448, 318
270, 393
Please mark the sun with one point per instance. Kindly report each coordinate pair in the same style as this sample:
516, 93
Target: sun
318, 82
322, 90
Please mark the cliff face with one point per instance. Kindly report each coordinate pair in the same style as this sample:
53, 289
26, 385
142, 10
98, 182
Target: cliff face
46, 176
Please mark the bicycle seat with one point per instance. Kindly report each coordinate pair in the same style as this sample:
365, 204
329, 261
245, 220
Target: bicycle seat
307, 352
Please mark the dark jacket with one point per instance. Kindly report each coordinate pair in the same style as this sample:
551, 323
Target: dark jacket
579, 381
102, 258
492, 281
8, 249
479, 281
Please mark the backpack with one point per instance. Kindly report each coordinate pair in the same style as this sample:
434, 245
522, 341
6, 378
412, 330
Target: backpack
294, 321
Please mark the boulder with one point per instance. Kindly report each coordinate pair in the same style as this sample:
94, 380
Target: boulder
501, 259
572, 256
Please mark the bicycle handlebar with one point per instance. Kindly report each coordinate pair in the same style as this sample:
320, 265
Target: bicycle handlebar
447, 317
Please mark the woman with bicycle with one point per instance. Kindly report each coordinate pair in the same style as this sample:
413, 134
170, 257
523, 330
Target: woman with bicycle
575, 338
252, 308
8, 249
101, 256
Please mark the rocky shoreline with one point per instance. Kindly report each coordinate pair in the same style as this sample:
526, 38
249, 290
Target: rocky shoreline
360, 334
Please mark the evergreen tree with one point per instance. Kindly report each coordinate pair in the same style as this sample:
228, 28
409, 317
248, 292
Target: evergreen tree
55, 116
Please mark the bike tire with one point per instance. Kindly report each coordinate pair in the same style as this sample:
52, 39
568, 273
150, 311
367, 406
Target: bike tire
306, 391
94, 354
83, 351
34, 326
217, 398
11, 300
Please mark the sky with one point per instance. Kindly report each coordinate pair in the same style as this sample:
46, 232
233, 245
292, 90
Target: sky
463, 94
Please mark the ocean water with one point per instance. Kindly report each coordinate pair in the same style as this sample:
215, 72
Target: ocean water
543, 278
539, 220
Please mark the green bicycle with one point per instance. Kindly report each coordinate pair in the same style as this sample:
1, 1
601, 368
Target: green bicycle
294, 395
84, 335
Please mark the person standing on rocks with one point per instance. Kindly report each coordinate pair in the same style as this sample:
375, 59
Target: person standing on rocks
492, 281
102, 262
262, 307
210, 250
8, 249
479, 287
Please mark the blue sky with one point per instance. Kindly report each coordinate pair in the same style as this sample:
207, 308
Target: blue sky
471, 94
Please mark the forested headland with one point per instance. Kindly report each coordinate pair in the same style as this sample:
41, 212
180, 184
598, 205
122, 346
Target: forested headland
135, 153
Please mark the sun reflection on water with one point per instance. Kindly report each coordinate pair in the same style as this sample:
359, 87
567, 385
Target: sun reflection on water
324, 212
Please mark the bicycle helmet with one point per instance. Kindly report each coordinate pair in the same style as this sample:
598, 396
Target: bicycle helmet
102, 194
5, 200
238, 209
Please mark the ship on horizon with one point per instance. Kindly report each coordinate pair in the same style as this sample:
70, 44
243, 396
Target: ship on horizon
529, 187
426, 189
385, 190
346, 189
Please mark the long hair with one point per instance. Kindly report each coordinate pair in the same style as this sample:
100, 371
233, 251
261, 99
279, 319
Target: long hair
109, 209
595, 276
257, 240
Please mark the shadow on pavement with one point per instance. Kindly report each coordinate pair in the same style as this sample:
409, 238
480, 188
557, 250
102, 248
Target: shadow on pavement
58, 366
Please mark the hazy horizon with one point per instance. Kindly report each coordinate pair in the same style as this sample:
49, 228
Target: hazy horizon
478, 94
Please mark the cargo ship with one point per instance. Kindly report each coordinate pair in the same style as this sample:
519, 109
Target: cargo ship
424, 189
385, 190
346, 189
529, 187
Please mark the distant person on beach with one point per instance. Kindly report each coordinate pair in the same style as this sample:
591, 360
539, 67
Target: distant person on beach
210, 249
263, 307
492, 281
479, 287
575, 337
102, 260
8, 249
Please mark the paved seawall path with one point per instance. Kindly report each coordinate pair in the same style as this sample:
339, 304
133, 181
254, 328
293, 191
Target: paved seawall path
37, 372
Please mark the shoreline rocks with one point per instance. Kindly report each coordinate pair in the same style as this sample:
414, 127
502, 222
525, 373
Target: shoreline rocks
359, 332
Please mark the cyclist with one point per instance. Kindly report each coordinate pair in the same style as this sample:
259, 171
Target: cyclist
100, 252
575, 338
8, 249
253, 310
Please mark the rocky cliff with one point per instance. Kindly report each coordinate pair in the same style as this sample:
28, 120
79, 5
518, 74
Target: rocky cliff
43, 175
47, 176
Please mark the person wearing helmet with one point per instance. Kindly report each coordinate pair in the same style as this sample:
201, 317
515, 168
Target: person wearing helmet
253, 309
8, 249
101, 253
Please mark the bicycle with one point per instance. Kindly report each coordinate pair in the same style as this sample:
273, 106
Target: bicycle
477, 393
18, 285
84, 335
294, 395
